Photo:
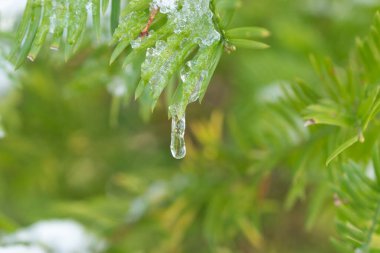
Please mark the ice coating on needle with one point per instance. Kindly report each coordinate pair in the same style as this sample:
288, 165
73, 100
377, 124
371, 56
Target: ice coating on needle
197, 16
193, 88
192, 16
192, 26
165, 6
191, 29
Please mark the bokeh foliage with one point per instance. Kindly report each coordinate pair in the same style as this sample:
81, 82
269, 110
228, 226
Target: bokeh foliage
254, 180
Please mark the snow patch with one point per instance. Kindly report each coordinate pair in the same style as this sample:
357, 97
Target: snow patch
10, 12
58, 236
21, 249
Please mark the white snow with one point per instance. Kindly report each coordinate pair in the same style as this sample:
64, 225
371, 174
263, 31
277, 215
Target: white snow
58, 236
21, 249
5, 76
10, 12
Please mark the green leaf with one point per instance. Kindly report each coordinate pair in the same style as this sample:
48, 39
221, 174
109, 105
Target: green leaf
31, 33
160, 79
341, 149
60, 27
358, 209
65, 17
105, 4
7, 224
23, 27
247, 33
217, 54
329, 113
249, 44
316, 205
41, 33
115, 14
96, 17
118, 50
376, 161
77, 21
195, 75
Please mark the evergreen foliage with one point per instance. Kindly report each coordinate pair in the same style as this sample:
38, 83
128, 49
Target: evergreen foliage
347, 101
323, 130
191, 36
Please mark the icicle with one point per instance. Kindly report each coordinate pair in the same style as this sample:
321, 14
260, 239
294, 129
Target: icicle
177, 145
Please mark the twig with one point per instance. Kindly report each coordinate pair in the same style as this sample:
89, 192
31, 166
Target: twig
145, 31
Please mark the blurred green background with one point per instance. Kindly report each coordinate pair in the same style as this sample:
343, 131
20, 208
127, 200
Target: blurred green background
237, 190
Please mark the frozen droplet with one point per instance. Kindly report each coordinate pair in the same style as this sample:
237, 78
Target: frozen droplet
177, 144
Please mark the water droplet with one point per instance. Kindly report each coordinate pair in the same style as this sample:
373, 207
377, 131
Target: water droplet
177, 145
